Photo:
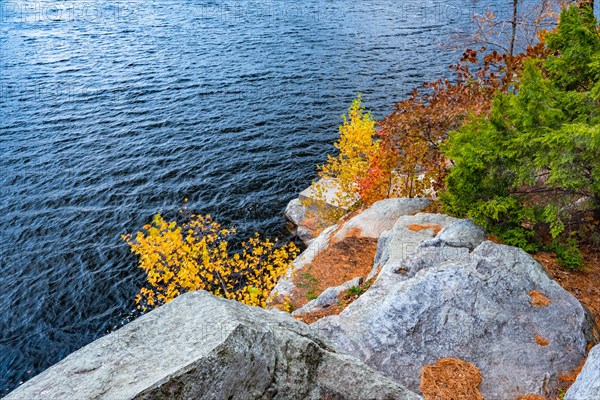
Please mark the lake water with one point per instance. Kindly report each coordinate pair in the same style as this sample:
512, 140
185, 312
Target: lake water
111, 111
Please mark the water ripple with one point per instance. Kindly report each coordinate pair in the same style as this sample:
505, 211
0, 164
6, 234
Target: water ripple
112, 111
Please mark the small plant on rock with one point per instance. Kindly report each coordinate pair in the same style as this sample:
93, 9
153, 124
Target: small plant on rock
354, 291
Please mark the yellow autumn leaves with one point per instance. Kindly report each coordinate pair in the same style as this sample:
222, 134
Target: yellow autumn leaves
195, 255
356, 147
360, 174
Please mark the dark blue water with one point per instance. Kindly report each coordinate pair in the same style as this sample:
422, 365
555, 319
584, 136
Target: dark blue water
112, 111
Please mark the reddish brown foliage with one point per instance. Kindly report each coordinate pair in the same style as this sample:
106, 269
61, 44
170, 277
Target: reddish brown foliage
377, 182
531, 397
338, 263
420, 124
584, 284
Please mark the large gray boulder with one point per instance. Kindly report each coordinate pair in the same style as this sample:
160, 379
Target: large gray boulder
202, 347
587, 384
436, 298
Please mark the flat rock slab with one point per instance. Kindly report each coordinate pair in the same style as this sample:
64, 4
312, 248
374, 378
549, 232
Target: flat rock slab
328, 191
443, 300
380, 217
202, 347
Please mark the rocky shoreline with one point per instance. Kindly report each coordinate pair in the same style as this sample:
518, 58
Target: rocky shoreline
426, 288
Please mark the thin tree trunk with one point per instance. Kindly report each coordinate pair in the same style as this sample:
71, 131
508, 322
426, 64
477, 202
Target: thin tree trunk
513, 22
596, 201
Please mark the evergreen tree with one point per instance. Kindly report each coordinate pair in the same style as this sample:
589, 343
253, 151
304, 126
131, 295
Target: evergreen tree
538, 153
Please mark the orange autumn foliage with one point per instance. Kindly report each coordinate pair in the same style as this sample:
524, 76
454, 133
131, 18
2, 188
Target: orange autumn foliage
421, 123
376, 184
400, 156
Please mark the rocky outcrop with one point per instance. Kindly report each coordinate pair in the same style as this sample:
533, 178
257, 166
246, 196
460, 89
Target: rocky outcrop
455, 295
440, 295
327, 191
298, 221
379, 218
202, 347
285, 285
587, 384
370, 223
306, 213
407, 233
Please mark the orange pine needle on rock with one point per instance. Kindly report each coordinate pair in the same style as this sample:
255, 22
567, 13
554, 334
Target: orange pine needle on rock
417, 228
539, 299
531, 397
542, 341
451, 378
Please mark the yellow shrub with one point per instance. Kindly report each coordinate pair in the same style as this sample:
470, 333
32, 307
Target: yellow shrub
361, 172
195, 255
356, 146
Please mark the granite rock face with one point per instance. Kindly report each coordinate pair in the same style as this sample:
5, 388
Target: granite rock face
305, 214
463, 233
587, 384
456, 295
380, 217
202, 347
296, 214
370, 223
407, 233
